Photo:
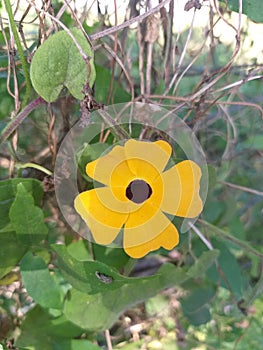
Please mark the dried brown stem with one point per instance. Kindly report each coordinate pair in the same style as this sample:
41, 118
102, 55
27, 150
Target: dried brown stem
84, 56
119, 61
241, 188
139, 18
141, 60
115, 52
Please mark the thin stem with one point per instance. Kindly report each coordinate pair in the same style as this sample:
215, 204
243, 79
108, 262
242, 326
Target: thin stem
34, 166
108, 339
17, 120
149, 67
115, 50
116, 128
238, 83
58, 16
200, 235
141, 60
254, 293
20, 51
221, 233
55, 19
242, 188
139, 18
119, 61
182, 55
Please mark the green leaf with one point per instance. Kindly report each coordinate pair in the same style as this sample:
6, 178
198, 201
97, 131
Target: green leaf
198, 298
113, 257
230, 275
203, 263
12, 248
214, 209
198, 317
99, 311
78, 250
96, 312
75, 344
58, 63
11, 252
103, 83
34, 331
41, 331
61, 327
39, 283
26, 218
8, 189
254, 142
100, 294
90, 276
116, 258
195, 305
252, 8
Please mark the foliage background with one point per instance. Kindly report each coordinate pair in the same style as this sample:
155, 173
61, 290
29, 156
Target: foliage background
207, 293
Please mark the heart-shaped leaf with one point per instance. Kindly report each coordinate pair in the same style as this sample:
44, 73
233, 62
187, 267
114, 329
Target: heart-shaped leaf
58, 63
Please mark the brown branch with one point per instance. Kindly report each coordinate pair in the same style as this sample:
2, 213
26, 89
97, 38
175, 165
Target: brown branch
141, 60
186, 100
241, 188
115, 49
119, 61
16, 121
139, 18
56, 20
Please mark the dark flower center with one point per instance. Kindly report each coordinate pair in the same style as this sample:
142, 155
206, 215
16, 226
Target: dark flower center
138, 191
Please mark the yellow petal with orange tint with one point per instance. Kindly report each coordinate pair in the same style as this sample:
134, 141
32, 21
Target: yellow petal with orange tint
108, 199
102, 168
147, 159
168, 239
181, 190
144, 226
120, 179
103, 223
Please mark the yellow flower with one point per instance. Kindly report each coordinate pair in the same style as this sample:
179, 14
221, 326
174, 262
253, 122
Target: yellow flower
137, 192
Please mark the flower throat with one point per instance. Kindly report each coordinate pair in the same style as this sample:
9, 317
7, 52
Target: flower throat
138, 191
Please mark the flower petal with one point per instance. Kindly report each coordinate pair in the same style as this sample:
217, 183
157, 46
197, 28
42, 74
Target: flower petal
144, 225
102, 168
168, 239
181, 189
120, 179
147, 159
103, 223
108, 199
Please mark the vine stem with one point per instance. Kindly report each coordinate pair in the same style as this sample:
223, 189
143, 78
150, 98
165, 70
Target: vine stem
34, 166
17, 120
20, 51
